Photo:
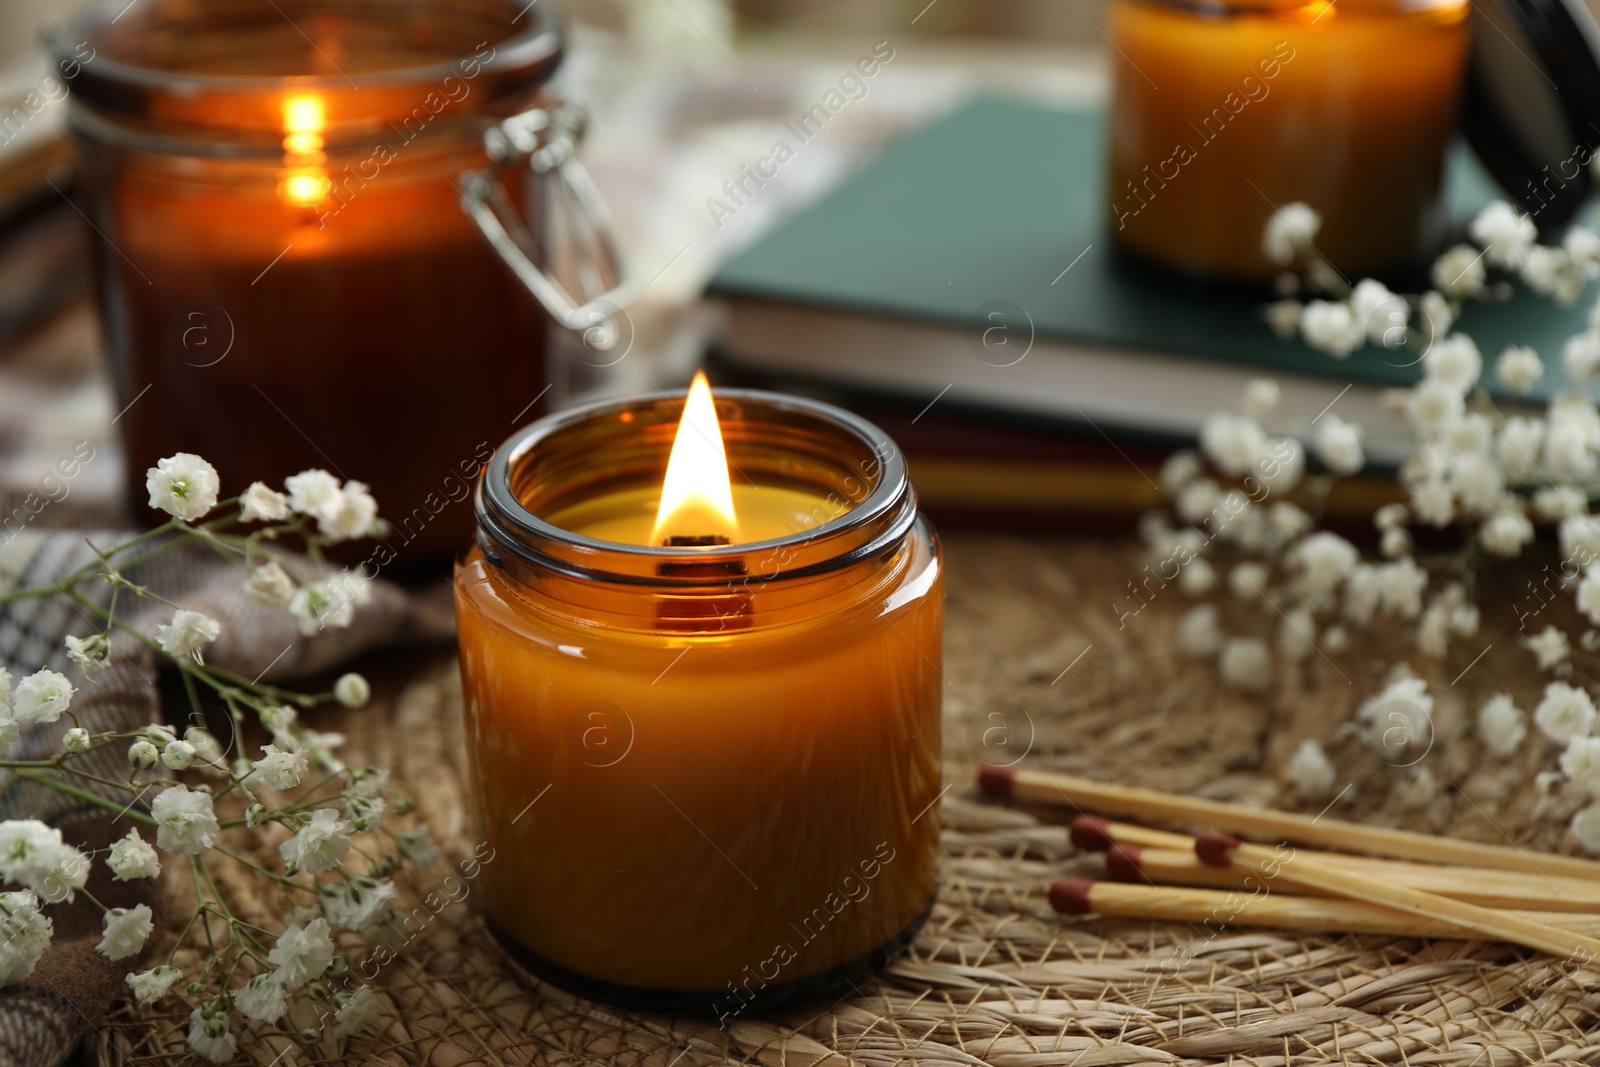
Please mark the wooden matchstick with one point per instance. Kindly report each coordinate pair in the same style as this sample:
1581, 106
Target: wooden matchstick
1091, 833
1300, 869
1485, 887
1087, 795
1077, 896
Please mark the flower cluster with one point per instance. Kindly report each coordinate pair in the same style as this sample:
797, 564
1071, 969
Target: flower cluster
342, 848
1494, 477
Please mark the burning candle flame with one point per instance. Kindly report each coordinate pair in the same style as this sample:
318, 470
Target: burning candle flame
697, 496
305, 183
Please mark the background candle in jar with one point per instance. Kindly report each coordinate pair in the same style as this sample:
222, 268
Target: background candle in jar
1220, 114
286, 276
699, 808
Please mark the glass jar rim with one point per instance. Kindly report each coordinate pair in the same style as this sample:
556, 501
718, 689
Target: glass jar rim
874, 526
253, 103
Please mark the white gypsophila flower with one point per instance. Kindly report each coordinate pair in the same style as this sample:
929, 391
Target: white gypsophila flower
1473, 433
1570, 444
1290, 231
368, 782
1248, 579
143, 754
1580, 761
1589, 593
75, 740
280, 719
1437, 314
1459, 271
261, 503
1455, 360
1433, 502
685, 33
28, 851
1180, 468
1585, 828
132, 857
1197, 500
124, 931
1363, 592
10, 734
315, 493
1580, 355
270, 585
1297, 635
1322, 562
1401, 585
1282, 465
1336, 639
1505, 532
186, 824
1545, 782
69, 874
330, 602
1518, 446
41, 697
1199, 633
1550, 272
179, 755
303, 952
1418, 788
150, 986
1390, 516
1232, 442
1502, 725
1582, 247
1283, 318
357, 904
279, 769
90, 654
188, 633
183, 485
357, 1013
356, 515
1564, 712
319, 844
1519, 368
1580, 538
210, 1036
262, 998
1506, 234
418, 847
1261, 395
1246, 664
1549, 647
207, 749
1477, 482
352, 690
1559, 502
1435, 406
1339, 445
1380, 312
1311, 773
1398, 717
1331, 327
1433, 632
1396, 543
364, 813
1197, 578
25, 933
1288, 521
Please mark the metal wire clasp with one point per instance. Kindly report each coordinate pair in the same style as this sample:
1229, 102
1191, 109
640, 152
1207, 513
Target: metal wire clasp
577, 233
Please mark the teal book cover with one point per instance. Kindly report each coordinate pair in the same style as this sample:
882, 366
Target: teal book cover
1003, 201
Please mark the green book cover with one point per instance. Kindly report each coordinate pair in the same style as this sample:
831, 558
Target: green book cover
995, 200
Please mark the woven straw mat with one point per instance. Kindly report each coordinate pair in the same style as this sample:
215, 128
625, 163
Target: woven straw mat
995, 977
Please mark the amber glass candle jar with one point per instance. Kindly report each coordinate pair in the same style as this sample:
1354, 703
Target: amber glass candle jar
1222, 110
709, 774
286, 274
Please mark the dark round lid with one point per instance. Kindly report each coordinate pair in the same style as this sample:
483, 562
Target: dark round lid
1532, 106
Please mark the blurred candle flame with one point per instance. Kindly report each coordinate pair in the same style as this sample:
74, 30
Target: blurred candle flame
697, 495
305, 183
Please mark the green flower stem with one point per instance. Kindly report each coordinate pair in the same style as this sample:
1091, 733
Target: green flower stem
83, 794
280, 879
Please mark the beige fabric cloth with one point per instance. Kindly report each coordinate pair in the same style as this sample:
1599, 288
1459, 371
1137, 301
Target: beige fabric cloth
42, 1019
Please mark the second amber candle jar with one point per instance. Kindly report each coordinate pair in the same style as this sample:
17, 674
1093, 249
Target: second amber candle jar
709, 773
1222, 111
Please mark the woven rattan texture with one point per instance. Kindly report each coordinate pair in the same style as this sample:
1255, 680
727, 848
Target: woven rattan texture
1036, 660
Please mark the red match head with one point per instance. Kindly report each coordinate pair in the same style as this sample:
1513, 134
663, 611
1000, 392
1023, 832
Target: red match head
1215, 848
1123, 863
1090, 833
1070, 896
996, 781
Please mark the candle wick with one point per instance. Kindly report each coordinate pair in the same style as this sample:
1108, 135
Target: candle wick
679, 541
